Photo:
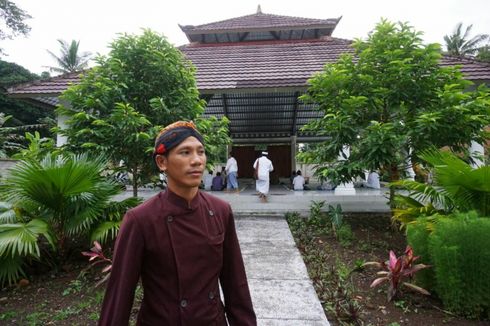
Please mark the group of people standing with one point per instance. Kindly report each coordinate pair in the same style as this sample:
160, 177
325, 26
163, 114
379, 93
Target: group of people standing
226, 180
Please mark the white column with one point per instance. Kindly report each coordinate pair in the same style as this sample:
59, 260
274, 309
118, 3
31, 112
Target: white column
409, 169
61, 122
61, 139
346, 188
476, 150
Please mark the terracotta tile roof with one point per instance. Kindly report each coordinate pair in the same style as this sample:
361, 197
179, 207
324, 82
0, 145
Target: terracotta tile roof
262, 64
260, 21
471, 69
47, 87
238, 66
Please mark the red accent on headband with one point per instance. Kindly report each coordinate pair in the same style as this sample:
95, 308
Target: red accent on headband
160, 149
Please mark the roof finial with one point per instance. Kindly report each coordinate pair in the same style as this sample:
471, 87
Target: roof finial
259, 10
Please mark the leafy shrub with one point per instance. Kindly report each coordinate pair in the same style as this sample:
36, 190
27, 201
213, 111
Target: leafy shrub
418, 238
317, 216
336, 218
460, 250
345, 235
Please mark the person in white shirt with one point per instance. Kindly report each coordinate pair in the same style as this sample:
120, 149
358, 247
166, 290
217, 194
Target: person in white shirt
298, 181
208, 180
263, 166
231, 174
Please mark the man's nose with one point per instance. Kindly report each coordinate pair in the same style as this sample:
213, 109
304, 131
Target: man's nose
197, 159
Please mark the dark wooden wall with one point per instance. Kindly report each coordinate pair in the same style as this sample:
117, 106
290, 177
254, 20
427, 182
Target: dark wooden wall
280, 156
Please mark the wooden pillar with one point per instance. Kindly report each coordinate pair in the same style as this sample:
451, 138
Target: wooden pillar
293, 153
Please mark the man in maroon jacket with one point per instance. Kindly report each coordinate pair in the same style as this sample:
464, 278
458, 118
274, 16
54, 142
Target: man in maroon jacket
181, 242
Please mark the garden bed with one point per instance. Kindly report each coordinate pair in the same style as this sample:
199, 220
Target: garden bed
65, 298
70, 298
344, 289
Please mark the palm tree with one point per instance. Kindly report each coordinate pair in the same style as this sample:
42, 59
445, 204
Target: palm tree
70, 59
458, 188
458, 44
484, 53
55, 201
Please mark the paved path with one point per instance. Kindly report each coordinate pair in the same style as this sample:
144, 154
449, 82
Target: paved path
281, 290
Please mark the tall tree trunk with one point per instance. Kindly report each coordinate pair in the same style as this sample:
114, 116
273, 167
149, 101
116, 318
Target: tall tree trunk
134, 172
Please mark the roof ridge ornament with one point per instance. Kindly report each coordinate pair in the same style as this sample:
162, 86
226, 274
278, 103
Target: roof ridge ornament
259, 10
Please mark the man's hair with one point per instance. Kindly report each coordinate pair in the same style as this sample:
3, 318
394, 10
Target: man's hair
299, 172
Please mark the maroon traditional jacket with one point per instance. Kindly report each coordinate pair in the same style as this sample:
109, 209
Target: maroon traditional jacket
180, 251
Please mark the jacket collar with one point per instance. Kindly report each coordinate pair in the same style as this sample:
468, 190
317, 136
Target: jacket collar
180, 202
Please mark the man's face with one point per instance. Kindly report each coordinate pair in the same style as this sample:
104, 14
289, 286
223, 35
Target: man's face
184, 164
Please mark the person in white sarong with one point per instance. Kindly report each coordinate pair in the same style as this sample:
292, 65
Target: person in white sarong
263, 181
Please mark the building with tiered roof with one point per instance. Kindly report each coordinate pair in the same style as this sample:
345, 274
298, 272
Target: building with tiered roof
252, 69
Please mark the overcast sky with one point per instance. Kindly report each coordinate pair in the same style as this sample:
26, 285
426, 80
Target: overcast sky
95, 23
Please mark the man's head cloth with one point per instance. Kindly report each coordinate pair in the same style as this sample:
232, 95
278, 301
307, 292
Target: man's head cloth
174, 134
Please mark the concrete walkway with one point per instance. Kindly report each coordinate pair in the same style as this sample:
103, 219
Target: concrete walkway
282, 200
281, 290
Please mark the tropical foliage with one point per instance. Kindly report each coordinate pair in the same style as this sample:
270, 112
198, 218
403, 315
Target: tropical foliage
389, 101
460, 44
70, 59
457, 188
37, 147
484, 53
395, 270
120, 105
13, 21
11, 140
21, 113
55, 201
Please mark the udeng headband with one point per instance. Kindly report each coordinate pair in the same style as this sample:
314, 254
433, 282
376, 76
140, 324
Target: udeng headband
172, 137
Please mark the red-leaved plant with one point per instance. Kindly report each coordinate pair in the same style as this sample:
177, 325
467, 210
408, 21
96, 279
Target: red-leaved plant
97, 257
395, 270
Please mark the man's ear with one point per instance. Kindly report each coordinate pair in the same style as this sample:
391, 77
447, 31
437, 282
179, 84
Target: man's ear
161, 161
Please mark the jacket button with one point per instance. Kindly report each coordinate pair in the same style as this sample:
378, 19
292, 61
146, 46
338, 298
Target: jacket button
183, 303
211, 213
211, 295
170, 219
